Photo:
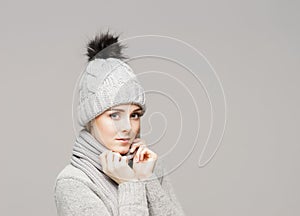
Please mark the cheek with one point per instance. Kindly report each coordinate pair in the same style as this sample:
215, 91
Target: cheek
135, 126
107, 129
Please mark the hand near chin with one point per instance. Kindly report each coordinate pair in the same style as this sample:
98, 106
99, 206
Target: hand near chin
116, 167
144, 160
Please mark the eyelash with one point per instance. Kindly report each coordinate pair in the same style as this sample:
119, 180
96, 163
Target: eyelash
138, 115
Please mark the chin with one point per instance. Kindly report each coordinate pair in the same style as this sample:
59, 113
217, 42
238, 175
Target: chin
123, 150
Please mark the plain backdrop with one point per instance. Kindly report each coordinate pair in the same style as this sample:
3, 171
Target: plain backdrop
254, 48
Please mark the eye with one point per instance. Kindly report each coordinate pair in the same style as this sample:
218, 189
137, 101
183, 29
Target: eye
136, 115
114, 116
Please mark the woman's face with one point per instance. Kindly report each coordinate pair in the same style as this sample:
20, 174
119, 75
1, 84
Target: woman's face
117, 127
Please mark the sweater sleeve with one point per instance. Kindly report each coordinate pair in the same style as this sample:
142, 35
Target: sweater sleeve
74, 198
162, 198
132, 199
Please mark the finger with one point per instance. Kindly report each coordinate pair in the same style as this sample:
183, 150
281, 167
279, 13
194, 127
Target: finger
137, 155
103, 160
117, 155
124, 161
136, 139
144, 152
116, 159
110, 164
135, 146
102, 156
130, 156
151, 154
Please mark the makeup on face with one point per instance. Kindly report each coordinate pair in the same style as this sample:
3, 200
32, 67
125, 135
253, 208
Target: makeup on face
118, 127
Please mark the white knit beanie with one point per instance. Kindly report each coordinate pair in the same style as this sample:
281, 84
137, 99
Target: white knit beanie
107, 80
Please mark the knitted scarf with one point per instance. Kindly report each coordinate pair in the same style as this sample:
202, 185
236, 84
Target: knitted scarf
85, 156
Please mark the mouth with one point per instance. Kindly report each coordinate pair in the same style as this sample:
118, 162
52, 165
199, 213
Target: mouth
123, 140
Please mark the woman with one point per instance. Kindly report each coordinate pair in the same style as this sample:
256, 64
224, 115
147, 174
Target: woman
112, 171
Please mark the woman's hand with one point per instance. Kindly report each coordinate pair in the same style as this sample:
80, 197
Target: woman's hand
144, 160
116, 167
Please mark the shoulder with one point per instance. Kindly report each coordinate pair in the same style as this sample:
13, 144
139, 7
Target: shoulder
71, 172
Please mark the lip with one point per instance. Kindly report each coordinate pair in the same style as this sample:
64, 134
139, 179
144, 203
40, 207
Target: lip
123, 140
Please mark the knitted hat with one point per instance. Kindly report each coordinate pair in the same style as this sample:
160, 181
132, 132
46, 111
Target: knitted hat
107, 80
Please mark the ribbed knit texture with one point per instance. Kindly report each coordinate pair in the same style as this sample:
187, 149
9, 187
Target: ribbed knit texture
85, 156
76, 195
106, 83
83, 189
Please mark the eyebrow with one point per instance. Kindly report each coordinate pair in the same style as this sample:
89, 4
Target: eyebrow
121, 110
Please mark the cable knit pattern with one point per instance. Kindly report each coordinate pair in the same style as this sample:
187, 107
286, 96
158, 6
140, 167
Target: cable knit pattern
132, 199
76, 195
83, 189
162, 202
106, 83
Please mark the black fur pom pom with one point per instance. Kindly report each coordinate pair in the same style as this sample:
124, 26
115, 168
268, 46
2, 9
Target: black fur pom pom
104, 46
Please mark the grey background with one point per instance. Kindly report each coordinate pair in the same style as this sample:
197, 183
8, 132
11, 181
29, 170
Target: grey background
254, 48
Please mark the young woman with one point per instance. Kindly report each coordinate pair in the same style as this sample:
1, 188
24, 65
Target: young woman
112, 171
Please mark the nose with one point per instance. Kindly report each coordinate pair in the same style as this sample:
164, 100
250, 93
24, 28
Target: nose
125, 125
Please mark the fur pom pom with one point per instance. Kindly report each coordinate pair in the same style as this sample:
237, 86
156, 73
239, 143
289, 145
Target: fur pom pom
104, 46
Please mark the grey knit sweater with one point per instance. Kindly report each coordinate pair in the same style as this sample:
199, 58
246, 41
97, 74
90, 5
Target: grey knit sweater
75, 194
